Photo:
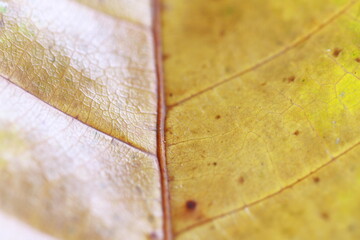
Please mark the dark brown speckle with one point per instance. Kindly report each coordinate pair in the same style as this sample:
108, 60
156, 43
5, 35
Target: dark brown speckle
325, 216
190, 205
291, 79
165, 57
336, 52
316, 179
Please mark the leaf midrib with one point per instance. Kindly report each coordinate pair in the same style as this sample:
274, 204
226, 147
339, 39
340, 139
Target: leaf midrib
161, 121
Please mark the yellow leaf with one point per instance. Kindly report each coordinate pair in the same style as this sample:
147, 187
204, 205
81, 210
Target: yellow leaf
262, 120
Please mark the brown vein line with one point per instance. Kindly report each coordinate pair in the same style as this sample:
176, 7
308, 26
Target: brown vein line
161, 118
139, 148
198, 224
128, 21
271, 57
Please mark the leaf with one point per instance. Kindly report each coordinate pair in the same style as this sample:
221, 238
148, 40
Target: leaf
263, 109
246, 129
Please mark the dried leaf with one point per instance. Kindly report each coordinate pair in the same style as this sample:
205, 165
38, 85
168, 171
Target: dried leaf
246, 128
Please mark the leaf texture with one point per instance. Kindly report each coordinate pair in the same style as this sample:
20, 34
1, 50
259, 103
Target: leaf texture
95, 68
245, 128
263, 105
78, 120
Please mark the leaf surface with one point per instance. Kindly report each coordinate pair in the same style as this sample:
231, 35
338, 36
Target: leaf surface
245, 129
263, 107
78, 119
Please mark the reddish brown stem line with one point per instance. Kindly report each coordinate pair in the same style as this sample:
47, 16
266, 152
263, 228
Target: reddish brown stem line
161, 117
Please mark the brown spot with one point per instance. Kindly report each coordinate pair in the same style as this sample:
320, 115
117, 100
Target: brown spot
296, 133
336, 52
165, 56
168, 130
217, 117
291, 79
316, 179
241, 180
77, 117
214, 163
170, 94
357, 59
325, 216
190, 205
263, 84
171, 178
